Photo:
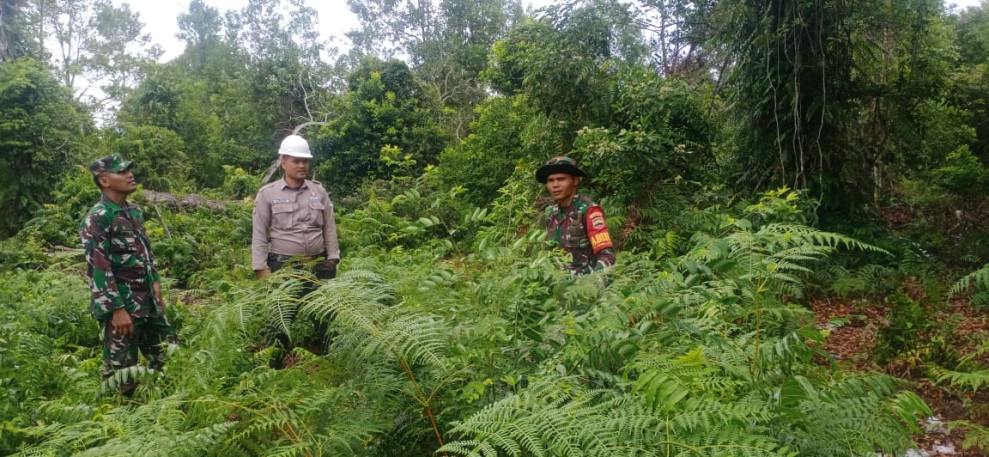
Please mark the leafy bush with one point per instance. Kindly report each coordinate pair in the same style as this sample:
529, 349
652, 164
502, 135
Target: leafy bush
57, 224
962, 174
239, 184
199, 247
158, 153
473, 346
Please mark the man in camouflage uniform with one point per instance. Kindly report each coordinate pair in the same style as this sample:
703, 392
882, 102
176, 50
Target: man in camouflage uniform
575, 223
126, 287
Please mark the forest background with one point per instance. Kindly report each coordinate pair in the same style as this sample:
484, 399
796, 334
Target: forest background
775, 174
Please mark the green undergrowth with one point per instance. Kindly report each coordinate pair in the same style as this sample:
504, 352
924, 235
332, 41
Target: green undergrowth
455, 336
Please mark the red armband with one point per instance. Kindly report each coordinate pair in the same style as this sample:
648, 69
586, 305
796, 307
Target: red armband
597, 229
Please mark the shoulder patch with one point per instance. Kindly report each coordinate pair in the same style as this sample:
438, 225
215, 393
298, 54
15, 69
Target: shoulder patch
595, 220
597, 229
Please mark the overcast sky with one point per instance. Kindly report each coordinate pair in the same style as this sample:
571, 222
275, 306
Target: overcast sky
335, 19
160, 19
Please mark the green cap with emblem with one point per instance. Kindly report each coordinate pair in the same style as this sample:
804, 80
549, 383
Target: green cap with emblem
558, 164
111, 163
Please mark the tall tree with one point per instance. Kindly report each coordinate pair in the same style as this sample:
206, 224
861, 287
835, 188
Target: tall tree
97, 48
14, 26
903, 60
245, 80
386, 122
825, 93
791, 80
201, 28
678, 31
39, 130
288, 77
563, 62
446, 43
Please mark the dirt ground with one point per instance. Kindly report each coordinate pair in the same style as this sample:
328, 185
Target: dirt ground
852, 334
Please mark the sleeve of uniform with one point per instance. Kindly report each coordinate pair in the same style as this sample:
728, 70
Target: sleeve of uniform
155, 276
597, 233
259, 234
330, 230
102, 284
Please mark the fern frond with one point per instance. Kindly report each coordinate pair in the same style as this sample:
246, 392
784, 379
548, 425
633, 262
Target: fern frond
800, 234
543, 419
974, 380
357, 300
470, 448
128, 375
979, 279
976, 436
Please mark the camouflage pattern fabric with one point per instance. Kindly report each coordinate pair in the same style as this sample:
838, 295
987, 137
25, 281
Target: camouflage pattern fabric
121, 271
119, 261
121, 351
111, 163
580, 230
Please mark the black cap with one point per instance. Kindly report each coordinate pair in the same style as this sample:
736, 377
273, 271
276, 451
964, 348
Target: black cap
558, 164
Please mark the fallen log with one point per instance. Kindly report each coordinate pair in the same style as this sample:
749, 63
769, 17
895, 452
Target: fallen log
190, 201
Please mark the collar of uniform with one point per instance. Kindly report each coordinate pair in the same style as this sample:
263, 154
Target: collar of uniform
305, 184
110, 204
573, 200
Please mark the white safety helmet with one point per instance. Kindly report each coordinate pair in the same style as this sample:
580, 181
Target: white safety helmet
295, 146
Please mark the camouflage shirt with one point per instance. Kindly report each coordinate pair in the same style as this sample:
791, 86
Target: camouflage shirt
119, 261
580, 229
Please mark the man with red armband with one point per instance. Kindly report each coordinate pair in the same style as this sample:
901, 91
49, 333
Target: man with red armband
575, 223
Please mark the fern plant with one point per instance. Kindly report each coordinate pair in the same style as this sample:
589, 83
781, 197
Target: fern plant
977, 282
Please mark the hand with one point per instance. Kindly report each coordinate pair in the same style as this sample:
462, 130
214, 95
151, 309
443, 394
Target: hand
156, 288
327, 269
122, 323
262, 273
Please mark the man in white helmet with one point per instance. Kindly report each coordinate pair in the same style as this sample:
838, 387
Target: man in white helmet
293, 218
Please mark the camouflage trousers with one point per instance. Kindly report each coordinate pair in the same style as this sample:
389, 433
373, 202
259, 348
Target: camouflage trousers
121, 351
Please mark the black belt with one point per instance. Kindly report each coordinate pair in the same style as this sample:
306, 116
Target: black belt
282, 258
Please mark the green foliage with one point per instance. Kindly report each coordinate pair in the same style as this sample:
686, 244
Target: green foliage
814, 114
39, 123
977, 282
242, 84
47, 349
939, 226
962, 174
239, 184
479, 347
386, 108
452, 331
499, 138
658, 134
98, 50
158, 155
447, 44
563, 63
909, 322
406, 213
57, 224
199, 248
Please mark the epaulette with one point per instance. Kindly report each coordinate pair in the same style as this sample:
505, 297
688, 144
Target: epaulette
270, 184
